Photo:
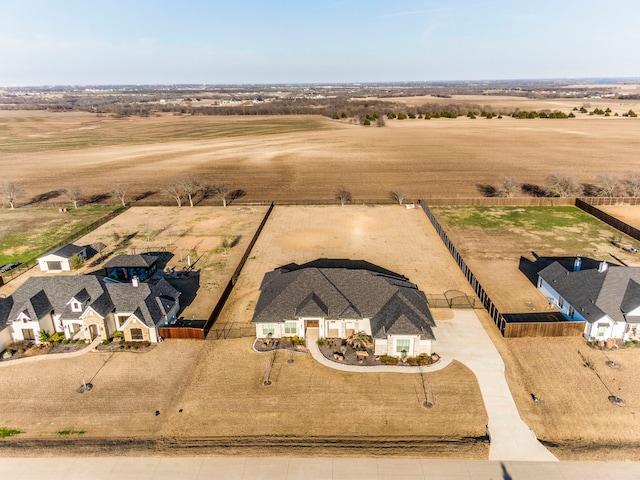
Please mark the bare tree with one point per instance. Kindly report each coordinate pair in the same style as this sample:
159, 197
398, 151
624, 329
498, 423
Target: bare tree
175, 192
508, 187
343, 194
398, 194
74, 194
380, 121
190, 186
119, 192
563, 185
632, 184
221, 190
10, 192
608, 185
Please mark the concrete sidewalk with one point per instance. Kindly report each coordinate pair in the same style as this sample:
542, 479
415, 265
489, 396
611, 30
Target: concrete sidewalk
314, 350
284, 468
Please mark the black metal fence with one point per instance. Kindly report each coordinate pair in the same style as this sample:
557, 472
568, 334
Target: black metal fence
587, 206
81, 232
497, 317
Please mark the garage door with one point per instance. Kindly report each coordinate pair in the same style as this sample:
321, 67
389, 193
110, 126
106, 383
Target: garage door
54, 265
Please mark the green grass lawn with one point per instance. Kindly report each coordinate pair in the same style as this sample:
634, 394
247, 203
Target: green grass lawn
565, 228
28, 232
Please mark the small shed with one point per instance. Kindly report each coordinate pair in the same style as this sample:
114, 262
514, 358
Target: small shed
124, 267
57, 260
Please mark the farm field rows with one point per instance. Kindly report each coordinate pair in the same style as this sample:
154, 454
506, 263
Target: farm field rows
303, 158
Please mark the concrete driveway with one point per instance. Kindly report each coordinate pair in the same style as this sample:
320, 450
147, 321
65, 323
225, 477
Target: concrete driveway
464, 339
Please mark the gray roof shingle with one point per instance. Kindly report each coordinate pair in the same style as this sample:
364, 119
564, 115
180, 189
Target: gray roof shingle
131, 261
65, 251
392, 303
41, 295
594, 294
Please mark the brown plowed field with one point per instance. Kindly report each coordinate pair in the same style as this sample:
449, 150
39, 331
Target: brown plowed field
298, 158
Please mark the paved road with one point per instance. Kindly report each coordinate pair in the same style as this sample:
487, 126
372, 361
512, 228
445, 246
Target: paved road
239, 468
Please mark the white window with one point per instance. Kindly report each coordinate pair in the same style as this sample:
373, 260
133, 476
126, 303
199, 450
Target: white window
602, 329
561, 302
572, 312
403, 345
268, 329
290, 328
136, 334
75, 306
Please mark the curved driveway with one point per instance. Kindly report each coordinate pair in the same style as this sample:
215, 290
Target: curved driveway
464, 339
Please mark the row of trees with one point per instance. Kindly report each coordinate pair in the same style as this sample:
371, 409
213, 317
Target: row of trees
564, 185
185, 187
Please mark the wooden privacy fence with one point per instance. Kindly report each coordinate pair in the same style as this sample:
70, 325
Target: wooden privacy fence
201, 332
181, 332
544, 329
587, 206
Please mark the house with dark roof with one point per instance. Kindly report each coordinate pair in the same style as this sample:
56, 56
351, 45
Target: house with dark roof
85, 307
124, 267
606, 298
341, 301
57, 260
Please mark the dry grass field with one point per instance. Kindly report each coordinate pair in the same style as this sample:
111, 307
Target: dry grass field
210, 394
305, 157
28, 232
185, 234
576, 418
627, 213
492, 241
392, 237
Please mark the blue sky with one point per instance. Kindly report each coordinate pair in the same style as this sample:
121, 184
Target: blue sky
284, 41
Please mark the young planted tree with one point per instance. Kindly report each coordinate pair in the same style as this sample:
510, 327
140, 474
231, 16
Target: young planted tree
119, 192
563, 185
74, 194
221, 190
10, 192
175, 192
343, 194
399, 194
190, 186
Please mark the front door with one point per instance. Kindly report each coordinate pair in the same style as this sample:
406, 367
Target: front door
94, 331
311, 323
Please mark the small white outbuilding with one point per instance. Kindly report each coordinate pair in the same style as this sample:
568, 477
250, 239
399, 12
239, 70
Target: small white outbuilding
57, 260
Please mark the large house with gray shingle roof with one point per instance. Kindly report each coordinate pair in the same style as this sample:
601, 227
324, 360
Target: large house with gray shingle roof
85, 307
342, 301
606, 298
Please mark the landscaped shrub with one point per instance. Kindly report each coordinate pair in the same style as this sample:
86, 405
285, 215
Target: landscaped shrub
389, 360
56, 337
65, 341
105, 341
321, 341
8, 432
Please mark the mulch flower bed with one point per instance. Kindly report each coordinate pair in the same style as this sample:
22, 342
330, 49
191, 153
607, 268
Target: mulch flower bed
333, 351
121, 346
285, 343
25, 349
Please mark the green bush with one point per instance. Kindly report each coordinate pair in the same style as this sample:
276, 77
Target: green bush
65, 342
76, 262
389, 360
44, 336
81, 341
105, 341
56, 337
8, 432
321, 341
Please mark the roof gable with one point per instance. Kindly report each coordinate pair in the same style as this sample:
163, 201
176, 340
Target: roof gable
344, 293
